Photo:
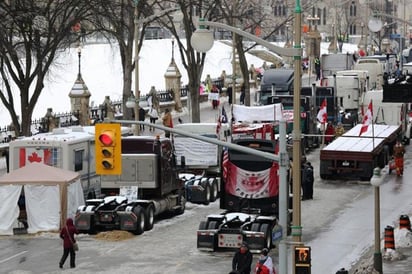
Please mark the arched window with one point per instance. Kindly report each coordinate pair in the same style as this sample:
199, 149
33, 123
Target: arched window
352, 9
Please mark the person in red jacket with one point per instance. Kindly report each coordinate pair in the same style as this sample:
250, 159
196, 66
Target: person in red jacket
67, 234
265, 264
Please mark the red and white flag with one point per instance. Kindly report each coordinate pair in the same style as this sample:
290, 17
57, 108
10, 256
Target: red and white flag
323, 113
367, 119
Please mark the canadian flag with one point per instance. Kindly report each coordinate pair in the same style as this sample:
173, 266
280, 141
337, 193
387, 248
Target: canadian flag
367, 119
323, 114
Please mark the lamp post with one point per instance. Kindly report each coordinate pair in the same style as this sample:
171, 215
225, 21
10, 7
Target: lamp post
376, 181
202, 41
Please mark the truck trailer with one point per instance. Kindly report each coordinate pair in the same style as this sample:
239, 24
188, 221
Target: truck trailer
354, 157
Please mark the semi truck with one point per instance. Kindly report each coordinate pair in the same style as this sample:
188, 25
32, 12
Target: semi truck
249, 186
350, 86
200, 161
250, 200
150, 183
354, 157
275, 82
331, 63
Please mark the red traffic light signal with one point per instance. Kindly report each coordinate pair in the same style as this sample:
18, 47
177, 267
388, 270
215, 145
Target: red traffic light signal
108, 149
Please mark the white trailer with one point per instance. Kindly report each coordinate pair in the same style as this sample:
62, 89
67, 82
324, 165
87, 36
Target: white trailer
67, 148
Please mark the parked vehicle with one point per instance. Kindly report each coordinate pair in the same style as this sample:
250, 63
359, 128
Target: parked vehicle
201, 170
375, 68
350, 86
275, 82
150, 182
354, 157
67, 148
331, 63
250, 200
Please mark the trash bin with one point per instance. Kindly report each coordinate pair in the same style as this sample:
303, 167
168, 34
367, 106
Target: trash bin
342, 271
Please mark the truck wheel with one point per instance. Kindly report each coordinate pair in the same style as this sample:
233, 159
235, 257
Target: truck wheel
203, 225
255, 227
149, 216
182, 206
207, 193
139, 212
213, 191
213, 225
268, 235
92, 228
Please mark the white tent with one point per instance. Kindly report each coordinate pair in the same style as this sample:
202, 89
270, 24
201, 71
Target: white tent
51, 195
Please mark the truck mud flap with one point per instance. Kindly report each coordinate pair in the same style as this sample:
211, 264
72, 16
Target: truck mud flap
256, 242
197, 194
83, 221
206, 240
127, 221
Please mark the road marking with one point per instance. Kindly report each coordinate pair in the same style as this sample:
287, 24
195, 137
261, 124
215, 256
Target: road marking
11, 257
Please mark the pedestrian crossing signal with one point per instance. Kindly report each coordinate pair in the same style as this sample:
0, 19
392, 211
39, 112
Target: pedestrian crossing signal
108, 149
302, 260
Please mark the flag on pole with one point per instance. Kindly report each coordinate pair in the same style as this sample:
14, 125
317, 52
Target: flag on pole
323, 113
367, 119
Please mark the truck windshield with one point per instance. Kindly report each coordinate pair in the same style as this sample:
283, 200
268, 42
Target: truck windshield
252, 162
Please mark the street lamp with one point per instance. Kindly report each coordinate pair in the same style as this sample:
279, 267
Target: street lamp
376, 181
296, 53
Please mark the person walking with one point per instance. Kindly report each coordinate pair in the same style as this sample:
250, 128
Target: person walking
307, 182
142, 116
167, 121
265, 264
242, 94
153, 116
317, 68
67, 234
329, 132
215, 94
242, 260
398, 152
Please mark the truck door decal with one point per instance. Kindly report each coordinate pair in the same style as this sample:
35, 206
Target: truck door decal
32, 155
252, 184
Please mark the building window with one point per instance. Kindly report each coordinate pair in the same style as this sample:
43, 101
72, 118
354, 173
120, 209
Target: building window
352, 9
352, 29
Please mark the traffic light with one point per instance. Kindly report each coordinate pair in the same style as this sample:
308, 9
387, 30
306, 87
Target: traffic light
302, 260
108, 149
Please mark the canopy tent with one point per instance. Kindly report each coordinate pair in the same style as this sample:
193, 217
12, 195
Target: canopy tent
51, 195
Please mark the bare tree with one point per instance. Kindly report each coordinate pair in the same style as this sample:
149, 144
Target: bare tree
31, 35
192, 61
116, 20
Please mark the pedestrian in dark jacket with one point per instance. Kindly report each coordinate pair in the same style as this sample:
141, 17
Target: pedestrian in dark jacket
142, 116
242, 261
67, 234
307, 182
